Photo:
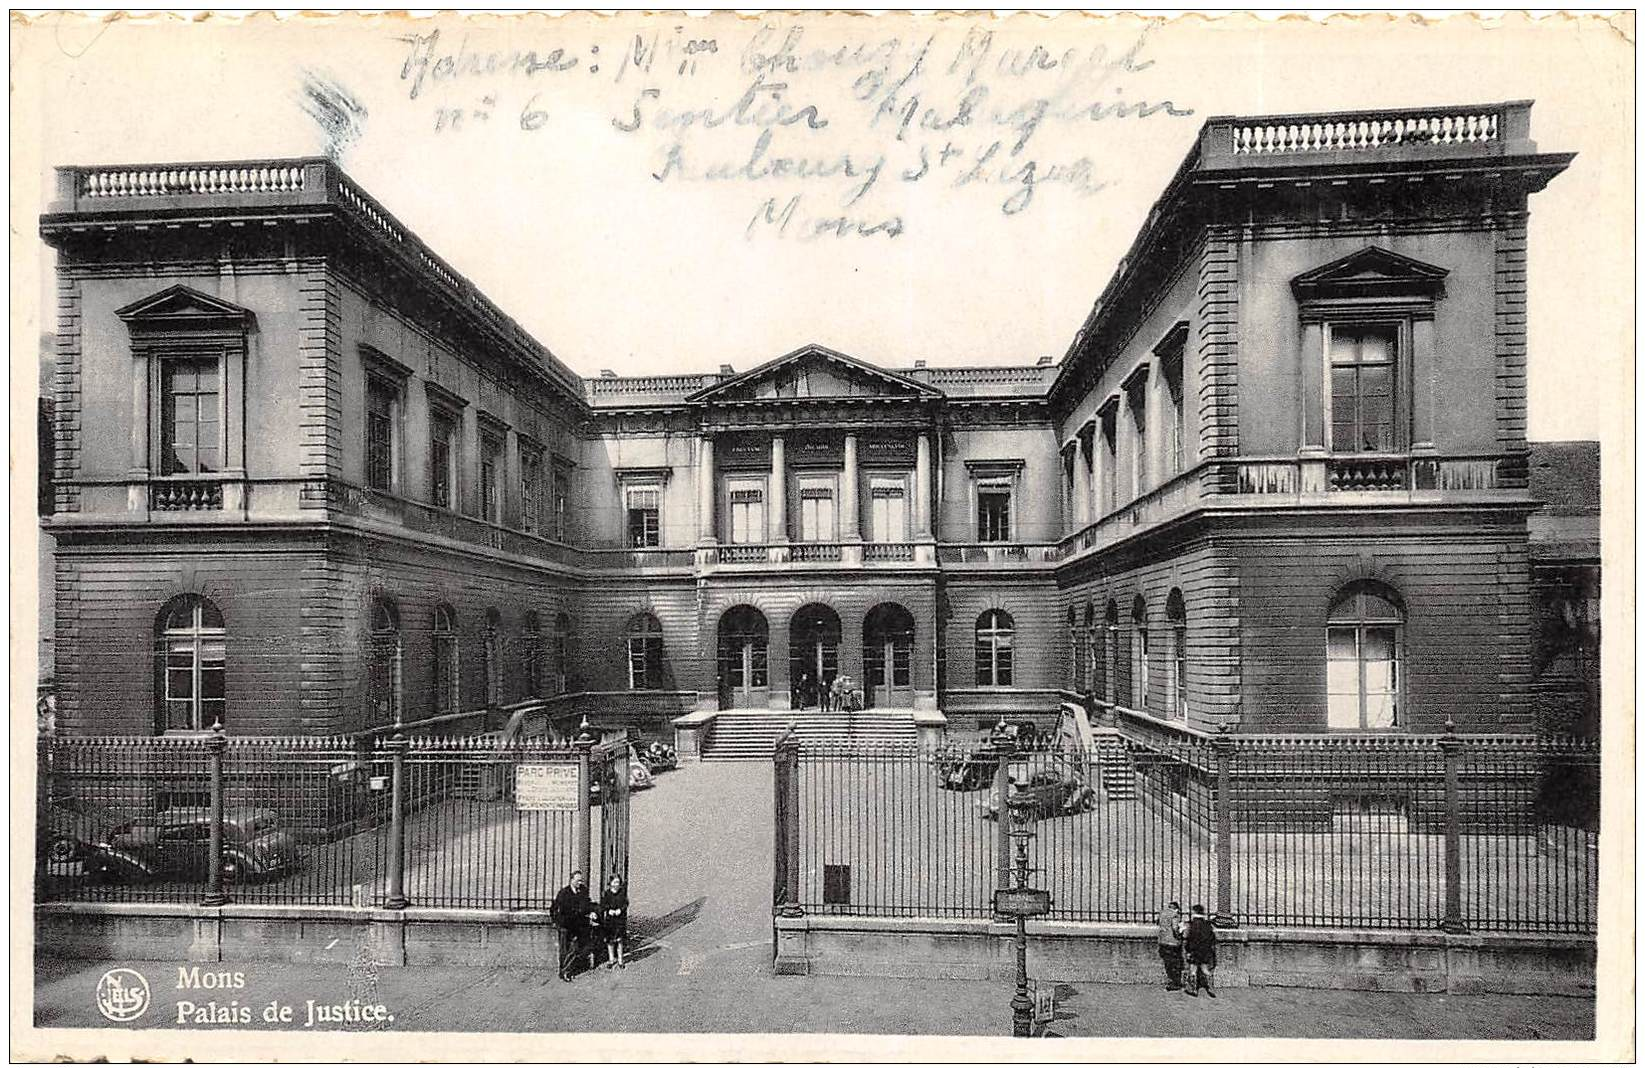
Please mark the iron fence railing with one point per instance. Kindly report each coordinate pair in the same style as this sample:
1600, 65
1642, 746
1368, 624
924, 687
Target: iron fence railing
1482, 834
437, 821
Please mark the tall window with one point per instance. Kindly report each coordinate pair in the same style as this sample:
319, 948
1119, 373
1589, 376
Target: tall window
531, 490
562, 506
491, 479
888, 508
993, 512
442, 460
564, 646
385, 680
817, 516
1364, 642
747, 513
1139, 655
1108, 434
995, 632
1093, 640
1363, 359
492, 653
1111, 653
645, 652
193, 672
1176, 698
1078, 638
447, 697
191, 427
531, 647
644, 510
1175, 458
1139, 438
382, 403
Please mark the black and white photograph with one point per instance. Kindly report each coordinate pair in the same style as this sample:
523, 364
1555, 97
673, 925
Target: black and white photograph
821, 536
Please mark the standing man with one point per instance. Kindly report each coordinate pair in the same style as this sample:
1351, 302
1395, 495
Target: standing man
1170, 944
1201, 943
570, 912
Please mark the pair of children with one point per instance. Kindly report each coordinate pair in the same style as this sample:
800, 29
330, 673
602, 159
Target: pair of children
1193, 944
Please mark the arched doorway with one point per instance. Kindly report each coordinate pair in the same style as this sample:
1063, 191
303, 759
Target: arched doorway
813, 653
887, 656
743, 678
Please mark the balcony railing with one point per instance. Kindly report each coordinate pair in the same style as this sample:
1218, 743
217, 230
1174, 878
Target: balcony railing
186, 495
996, 553
274, 176
1403, 133
886, 552
1293, 477
1166, 501
1368, 472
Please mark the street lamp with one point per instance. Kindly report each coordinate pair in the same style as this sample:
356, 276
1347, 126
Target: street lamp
1021, 901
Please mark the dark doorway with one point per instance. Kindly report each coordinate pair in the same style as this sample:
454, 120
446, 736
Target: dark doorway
887, 656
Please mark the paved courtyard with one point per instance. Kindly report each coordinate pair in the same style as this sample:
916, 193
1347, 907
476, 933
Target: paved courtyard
701, 875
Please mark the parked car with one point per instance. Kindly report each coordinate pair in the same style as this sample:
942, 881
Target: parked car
72, 830
966, 771
639, 778
658, 756
1053, 792
177, 843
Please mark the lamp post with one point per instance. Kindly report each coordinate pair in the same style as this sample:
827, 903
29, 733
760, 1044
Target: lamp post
1020, 901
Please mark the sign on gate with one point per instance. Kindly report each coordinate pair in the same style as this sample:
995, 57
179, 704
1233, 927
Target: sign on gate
545, 787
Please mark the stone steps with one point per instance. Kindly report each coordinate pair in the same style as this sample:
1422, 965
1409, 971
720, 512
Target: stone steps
753, 735
1119, 774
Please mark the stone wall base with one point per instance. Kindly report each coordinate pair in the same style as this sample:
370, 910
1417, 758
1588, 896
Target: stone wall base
1404, 961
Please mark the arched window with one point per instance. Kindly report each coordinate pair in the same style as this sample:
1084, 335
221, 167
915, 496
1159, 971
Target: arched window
385, 676
565, 632
531, 646
645, 652
1364, 643
1111, 653
447, 697
1093, 638
492, 654
193, 680
1176, 698
1139, 654
995, 631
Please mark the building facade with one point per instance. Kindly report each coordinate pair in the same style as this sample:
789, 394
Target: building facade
308, 479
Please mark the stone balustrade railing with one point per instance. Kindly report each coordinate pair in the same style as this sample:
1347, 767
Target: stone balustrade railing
201, 179
1353, 134
186, 495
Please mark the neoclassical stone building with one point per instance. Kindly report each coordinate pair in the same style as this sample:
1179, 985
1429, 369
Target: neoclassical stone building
309, 479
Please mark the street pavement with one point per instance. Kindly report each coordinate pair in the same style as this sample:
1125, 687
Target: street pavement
700, 878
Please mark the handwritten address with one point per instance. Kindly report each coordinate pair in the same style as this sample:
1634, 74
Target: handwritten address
821, 125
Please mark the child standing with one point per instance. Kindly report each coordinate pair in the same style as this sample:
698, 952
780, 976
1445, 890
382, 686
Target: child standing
1200, 947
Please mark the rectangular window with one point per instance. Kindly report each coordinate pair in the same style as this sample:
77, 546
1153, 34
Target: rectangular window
888, 508
644, 508
191, 425
1139, 670
562, 506
442, 461
491, 475
531, 489
1362, 677
747, 514
817, 509
1363, 360
382, 402
196, 694
1139, 442
1175, 459
993, 513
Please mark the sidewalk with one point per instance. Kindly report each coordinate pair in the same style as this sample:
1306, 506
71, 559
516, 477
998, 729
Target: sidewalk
732, 990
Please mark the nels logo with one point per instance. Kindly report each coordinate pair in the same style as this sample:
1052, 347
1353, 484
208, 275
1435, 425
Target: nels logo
122, 994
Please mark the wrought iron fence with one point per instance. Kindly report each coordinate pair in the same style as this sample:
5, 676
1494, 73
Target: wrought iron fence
442, 821
1480, 833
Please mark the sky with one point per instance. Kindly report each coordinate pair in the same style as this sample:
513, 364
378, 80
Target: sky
674, 194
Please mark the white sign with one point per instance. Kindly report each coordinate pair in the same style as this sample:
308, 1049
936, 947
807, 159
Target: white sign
545, 787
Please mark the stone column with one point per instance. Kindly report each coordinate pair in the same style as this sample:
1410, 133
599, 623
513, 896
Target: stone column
137, 490
922, 487
777, 514
850, 509
706, 531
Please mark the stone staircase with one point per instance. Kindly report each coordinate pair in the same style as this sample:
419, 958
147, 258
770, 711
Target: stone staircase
1112, 757
753, 735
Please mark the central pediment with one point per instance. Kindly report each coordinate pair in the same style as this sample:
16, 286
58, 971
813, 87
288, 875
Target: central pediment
814, 372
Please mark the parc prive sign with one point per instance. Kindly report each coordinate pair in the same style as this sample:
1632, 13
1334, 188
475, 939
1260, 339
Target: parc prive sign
545, 787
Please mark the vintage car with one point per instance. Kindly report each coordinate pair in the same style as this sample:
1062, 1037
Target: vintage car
658, 756
965, 770
75, 831
639, 778
176, 843
1052, 792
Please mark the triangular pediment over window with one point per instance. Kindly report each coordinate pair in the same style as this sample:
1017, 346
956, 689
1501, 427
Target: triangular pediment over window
1371, 272
183, 308
815, 372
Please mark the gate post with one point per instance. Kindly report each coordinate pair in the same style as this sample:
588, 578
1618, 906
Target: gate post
1003, 747
216, 746
1451, 746
396, 747
785, 890
584, 744
1223, 746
